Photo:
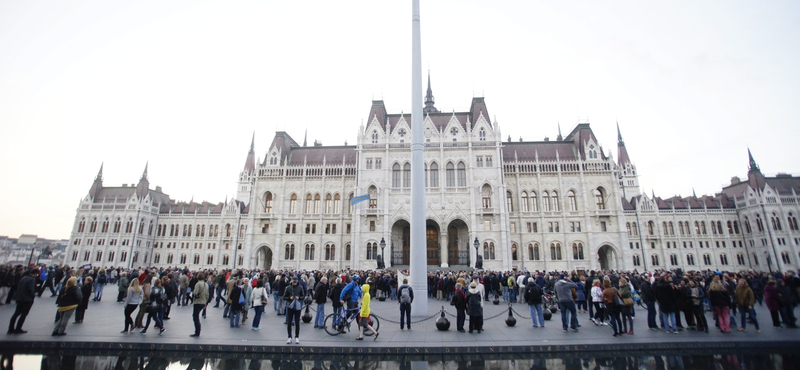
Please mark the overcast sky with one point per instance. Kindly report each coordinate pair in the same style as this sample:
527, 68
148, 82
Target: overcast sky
184, 84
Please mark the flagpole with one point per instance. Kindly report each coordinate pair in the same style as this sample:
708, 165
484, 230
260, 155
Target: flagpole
419, 264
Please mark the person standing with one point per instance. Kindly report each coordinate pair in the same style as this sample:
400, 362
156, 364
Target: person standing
321, 297
533, 296
183, 286
122, 286
745, 299
565, 303
259, 302
25, 294
460, 302
664, 291
86, 292
405, 297
68, 301
336, 290
365, 311
649, 300
293, 296
720, 301
475, 308
200, 298
697, 295
236, 305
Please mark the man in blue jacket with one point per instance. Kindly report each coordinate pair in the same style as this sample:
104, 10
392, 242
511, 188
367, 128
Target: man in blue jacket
353, 291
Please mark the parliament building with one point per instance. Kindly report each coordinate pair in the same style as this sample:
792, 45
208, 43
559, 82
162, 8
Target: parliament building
561, 204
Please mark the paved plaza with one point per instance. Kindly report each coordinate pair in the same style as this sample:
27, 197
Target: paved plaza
104, 321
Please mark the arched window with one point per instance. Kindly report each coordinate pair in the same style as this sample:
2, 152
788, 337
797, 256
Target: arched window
268, 202
554, 198
317, 201
723, 259
183, 259
196, 259
671, 228
736, 227
577, 251
374, 136
309, 252
82, 225
228, 230
407, 175
792, 221
680, 228
225, 259
293, 204
697, 228
105, 225
688, 229
482, 134
462, 174
636, 260
740, 259
337, 200
93, 226
690, 259
488, 251
650, 227
533, 251
776, 223
573, 202
600, 198
707, 259
635, 229
434, 175
759, 223
210, 259
397, 176
523, 203
714, 228
534, 202
555, 251
242, 231
450, 175
514, 252
654, 259
141, 228
347, 252
129, 226
747, 228
156, 258
664, 226
719, 228
117, 225
630, 230
288, 252
545, 201
350, 208
309, 203
169, 259
673, 259
330, 252
372, 251
98, 256
486, 196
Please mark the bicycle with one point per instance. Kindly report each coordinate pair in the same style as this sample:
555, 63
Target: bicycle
336, 324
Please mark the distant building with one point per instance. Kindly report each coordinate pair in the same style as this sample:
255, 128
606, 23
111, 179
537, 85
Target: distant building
537, 205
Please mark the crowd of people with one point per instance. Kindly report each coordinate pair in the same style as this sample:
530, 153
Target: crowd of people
609, 298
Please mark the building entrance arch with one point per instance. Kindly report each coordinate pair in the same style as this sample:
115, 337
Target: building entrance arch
458, 243
401, 243
607, 257
264, 258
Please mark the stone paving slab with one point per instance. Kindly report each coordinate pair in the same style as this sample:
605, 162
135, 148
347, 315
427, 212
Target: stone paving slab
104, 320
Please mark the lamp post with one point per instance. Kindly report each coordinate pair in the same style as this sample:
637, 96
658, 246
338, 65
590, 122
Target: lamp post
383, 256
476, 244
769, 262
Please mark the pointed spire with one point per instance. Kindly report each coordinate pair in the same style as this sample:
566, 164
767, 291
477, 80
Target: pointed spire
653, 192
253, 143
622, 152
97, 185
753, 164
693, 193
620, 142
559, 137
754, 175
100, 173
305, 138
250, 162
144, 174
429, 108
144, 185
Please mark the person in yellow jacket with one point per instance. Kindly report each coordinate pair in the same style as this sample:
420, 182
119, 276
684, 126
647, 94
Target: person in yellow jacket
365, 314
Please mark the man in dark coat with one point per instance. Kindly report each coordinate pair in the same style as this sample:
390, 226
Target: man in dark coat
25, 294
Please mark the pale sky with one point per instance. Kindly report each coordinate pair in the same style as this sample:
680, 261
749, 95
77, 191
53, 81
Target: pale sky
184, 84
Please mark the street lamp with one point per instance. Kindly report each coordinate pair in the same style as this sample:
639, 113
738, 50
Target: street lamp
769, 262
383, 256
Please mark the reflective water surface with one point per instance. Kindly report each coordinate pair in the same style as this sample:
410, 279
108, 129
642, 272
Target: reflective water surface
746, 360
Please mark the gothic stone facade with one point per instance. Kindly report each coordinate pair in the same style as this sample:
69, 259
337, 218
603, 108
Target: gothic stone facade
548, 205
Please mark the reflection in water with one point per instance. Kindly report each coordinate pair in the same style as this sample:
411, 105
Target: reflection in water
744, 360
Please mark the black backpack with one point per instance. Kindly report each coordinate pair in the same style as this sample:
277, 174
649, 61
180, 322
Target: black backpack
101, 279
533, 293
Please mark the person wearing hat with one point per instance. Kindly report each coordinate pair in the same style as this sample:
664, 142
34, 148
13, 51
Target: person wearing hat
474, 299
350, 294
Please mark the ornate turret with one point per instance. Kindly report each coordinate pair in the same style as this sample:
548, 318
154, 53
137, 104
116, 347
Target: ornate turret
622, 152
429, 108
144, 184
754, 175
250, 163
98, 184
628, 180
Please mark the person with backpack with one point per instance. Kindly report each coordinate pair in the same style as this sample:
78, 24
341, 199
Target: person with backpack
405, 296
475, 308
533, 296
102, 279
350, 294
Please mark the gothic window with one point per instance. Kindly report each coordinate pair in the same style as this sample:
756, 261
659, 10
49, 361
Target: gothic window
196, 259
268, 202
317, 201
169, 259
671, 228
123, 256
156, 258
402, 132
577, 251
347, 252
434, 175
719, 228
555, 251
111, 256
141, 228
273, 159
228, 230
636, 260
673, 259
372, 251
573, 202
534, 202
479, 161
759, 223
747, 225
369, 163
197, 231
330, 252
293, 204
396, 176
785, 258
377, 163
454, 131
450, 175
210, 259
350, 208
488, 251
664, 226
600, 196
523, 203
776, 223
242, 230
225, 259
482, 134
690, 259
309, 203
650, 227
117, 225
514, 251
740, 259
723, 259
635, 229
374, 136
82, 225
328, 203
628, 226
98, 256
533, 251
554, 197
462, 175
183, 259
697, 228
129, 226
489, 161
289, 252
93, 226
707, 259
309, 252
337, 200
654, 259
407, 175
545, 201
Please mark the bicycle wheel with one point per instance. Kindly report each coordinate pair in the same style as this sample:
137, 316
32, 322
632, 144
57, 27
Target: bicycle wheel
333, 325
375, 323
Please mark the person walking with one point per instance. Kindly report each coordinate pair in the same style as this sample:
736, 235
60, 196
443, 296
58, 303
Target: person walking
122, 286
144, 301
533, 296
237, 302
86, 292
566, 304
475, 308
612, 308
68, 301
350, 294
133, 299
276, 294
745, 299
158, 298
293, 296
200, 298
720, 300
25, 294
365, 311
460, 302
772, 299
597, 301
406, 296
321, 297
259, 302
